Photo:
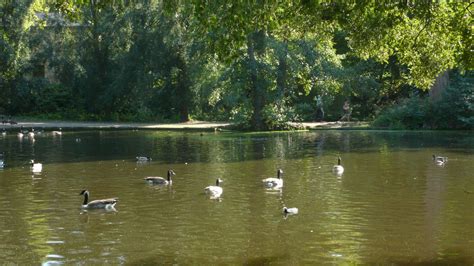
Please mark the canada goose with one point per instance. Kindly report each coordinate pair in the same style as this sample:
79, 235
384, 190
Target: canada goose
273, 182
338, 169
31, 134
4, 132
143, 158
440, 160
214, 191
290, 210
20, 133
36, 167
158, 180
2, 162
97, 204
57, 132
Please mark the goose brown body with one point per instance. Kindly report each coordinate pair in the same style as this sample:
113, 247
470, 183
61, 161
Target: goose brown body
97, 204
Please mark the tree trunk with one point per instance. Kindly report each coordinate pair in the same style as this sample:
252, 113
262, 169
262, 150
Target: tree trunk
282, 72
183, 89
256, 91
98, 78
441, 83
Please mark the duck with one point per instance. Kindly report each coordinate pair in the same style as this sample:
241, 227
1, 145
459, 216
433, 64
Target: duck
158, 180
214, 191
440, 160
36, 167
338, 168
143, 158
290, 210
97, 204
273, 182
57, 132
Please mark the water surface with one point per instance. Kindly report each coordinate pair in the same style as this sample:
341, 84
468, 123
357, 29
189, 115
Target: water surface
391, 205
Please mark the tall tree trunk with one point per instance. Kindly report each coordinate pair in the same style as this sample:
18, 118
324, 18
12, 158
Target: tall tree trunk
282, 72
441, 83
183, 88
100, 58
256, 91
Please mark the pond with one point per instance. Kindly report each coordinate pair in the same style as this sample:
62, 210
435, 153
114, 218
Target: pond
393, 203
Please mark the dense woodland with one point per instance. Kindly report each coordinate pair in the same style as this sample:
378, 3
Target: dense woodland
256, 63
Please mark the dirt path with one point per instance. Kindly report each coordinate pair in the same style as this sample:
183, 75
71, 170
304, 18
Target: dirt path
118, 125
176, 126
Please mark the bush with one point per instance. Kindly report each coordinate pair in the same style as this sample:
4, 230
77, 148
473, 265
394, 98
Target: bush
409, 114
455, 109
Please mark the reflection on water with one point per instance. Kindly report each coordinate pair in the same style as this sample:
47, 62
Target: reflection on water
392, 204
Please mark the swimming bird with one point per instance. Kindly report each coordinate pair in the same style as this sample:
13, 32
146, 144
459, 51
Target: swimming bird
440, 160
2, 162
36, 167
20, 133
143, 158
290, 210
97, 204
57, 132
214, 191
31, 134
338, 169
273, 182
158, 180
4, 132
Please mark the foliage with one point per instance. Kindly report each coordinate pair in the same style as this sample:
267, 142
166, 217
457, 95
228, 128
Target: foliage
453, 111
259, 64
408, 114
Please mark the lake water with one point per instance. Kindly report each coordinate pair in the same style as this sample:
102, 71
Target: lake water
392, 205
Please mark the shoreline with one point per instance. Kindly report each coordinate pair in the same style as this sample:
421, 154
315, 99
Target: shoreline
192, 125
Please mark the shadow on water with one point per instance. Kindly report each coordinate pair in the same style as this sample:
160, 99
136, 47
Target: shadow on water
171, 260
453, 258
266, 260
189, 147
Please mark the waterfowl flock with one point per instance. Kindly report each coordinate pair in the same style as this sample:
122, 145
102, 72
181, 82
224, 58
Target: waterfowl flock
213, 191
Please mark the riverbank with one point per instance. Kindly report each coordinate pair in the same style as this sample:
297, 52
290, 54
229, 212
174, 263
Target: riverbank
192, 125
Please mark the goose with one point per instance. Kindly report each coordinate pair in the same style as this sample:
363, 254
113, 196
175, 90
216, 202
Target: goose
2, 162
31, 134
214, 191
4, 132
273, 182
20, 133
158, 180
440, 160
57, 132
143, 158
338, 168
290, 210
36, 167
97, 204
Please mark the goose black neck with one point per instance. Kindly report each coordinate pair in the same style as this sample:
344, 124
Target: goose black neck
86, 198
169, 176
217, 182
339, 161
279, 174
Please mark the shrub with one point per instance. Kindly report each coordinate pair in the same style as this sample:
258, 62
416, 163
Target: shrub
455, 109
